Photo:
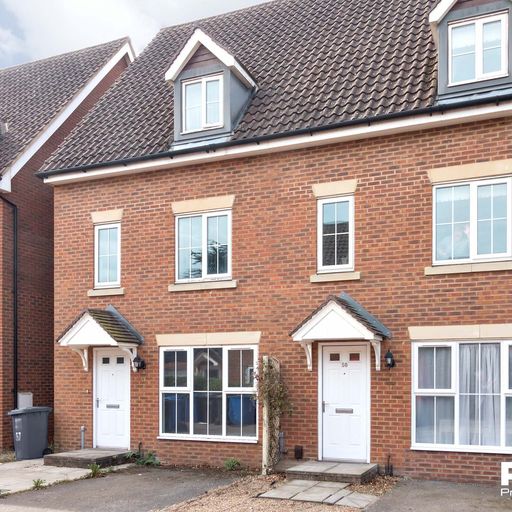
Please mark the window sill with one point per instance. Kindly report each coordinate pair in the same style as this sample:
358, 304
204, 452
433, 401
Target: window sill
335, 276
202, 285
242, 440
105, 292
462, 449
465, 268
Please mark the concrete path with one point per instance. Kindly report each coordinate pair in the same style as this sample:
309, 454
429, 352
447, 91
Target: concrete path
20, 475
428, 496
138, 489
330, 493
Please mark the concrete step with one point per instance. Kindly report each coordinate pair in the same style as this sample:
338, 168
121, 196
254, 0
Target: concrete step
84, 458
325, 471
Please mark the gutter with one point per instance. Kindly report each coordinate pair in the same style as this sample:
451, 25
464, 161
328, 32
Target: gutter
14, 209
211, 148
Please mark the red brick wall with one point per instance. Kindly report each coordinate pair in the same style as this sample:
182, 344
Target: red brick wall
35, 278
274, 253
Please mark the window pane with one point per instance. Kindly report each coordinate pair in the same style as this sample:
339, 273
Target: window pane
463, 53
468, 361
193, 106
181, 368
103, 269
169, 369
499, 201
444, 205
461, 241
445, 420
213, 102
217, 245
184, 233
184, 264
342, 212
103, 246
247, 368
443, 368
200, 368
484, 237
484, 202
490, 420
492, 219
234, 368
342, 249
248, 416
499, 236
490, 368
424, 419
201, 413
492, 47
215, 369
222, 229
328, 250
175, 413
241, 415
215, 414
461, 203
426, 367
508, 428
444, 242
196, 229
468, 419
328, 216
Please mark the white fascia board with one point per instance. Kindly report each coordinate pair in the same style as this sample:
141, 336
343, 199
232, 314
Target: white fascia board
339, 135
40, 139
440, 11
197, 39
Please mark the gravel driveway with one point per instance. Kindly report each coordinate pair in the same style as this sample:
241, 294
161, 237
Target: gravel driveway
138, 489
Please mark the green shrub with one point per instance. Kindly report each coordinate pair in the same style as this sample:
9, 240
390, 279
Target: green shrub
95, 470
232, 464
38, 484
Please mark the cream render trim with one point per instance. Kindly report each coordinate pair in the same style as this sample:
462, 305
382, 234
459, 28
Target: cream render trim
206, 285
105, 292
209, 339
107, 216
470, 171
335, 276
465, 268
203, 205
461, 332
334, 188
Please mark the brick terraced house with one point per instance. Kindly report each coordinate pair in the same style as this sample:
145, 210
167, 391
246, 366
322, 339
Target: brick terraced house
328, 182
40, 103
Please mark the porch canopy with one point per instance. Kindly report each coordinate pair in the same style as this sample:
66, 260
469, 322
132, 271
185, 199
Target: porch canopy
100, 328
340, 318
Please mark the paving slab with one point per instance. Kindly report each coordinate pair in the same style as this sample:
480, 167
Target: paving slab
302, 483
333, 485
357, 500
334, 498
284, 492
312, 466
314, 494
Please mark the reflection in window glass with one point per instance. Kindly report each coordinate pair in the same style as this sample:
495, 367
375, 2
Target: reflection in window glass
335, 233
463, 53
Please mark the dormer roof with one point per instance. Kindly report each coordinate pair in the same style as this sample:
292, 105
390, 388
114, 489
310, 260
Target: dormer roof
197, 39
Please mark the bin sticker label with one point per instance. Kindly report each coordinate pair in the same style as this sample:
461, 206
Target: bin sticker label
18, 436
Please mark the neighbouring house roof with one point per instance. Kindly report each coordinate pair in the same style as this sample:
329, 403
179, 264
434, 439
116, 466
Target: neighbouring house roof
111, 321
353, 308
316, 63
32, 95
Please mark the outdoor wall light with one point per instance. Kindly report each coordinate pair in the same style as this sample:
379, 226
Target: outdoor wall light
139, 363
390, 360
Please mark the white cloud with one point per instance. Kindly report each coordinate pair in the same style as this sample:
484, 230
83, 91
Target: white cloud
55, 26
9, 44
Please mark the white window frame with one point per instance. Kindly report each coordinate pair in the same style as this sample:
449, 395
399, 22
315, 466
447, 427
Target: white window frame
117, 282
325, 269
474, 257
189, 389
479, 22
454, 392
203, 81
204, 247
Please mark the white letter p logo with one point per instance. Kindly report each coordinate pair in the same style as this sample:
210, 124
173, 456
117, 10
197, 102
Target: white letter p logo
506, 473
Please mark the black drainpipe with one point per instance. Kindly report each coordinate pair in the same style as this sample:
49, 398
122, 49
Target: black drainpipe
14, 209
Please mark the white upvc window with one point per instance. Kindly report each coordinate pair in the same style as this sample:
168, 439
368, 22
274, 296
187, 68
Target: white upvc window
202, 102
478, 49
208, 393
472, 221
203, 246
462, 396
107, 255
335, 234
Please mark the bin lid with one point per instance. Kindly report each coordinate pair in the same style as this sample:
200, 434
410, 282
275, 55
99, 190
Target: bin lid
29, 410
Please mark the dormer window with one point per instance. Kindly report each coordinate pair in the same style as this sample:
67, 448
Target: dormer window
478, 49
202, 104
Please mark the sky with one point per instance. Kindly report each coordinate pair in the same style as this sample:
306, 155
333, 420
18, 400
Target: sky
35, 29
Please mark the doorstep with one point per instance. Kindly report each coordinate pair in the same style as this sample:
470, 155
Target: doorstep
84, 458
351, 472
329, 493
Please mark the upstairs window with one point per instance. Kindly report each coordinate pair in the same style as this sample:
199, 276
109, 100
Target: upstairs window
203, 246
472, 221
107, 257
478, 49
335, 234
202, 104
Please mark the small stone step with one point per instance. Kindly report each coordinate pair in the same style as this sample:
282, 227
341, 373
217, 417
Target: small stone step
332, 471
84, 458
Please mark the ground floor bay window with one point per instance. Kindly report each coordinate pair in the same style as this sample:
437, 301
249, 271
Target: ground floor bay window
208, 393
462, 396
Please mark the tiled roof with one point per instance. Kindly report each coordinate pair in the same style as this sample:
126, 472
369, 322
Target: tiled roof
31, 95
316, 63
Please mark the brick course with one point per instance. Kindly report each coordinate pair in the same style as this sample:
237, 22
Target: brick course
274, 253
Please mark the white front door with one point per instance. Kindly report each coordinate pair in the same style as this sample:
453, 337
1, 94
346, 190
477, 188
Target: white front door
345, 401
112, 399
